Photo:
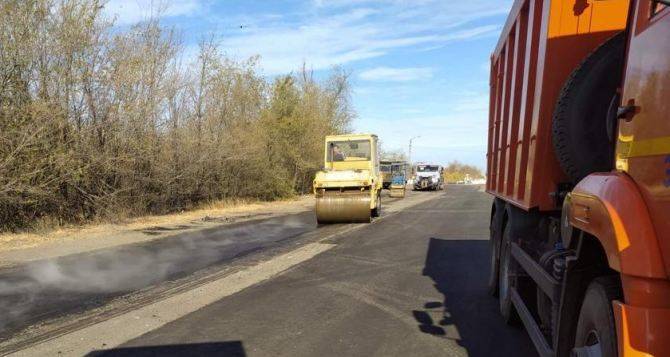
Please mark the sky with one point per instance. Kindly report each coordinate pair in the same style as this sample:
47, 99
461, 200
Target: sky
417, 67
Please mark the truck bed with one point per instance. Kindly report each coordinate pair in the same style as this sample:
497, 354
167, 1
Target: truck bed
542, 42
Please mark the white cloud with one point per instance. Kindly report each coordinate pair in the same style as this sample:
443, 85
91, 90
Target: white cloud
352, 30
128, 12
338, 3
396, 74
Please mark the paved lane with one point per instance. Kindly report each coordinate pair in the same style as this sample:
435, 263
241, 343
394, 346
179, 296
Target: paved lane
49, 288
413, 284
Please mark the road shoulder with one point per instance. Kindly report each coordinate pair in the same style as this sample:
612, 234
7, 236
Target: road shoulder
21, 248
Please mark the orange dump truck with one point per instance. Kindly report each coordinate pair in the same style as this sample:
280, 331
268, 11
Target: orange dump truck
579, 164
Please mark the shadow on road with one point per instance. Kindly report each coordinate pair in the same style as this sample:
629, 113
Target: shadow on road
226, 349
467, 314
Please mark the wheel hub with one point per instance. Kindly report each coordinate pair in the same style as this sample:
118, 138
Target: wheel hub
591, 347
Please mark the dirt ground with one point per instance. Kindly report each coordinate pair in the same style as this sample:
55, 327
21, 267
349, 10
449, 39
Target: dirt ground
21, 247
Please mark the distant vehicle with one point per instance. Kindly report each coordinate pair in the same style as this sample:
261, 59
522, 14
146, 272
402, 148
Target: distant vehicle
428, 177
349, 188
399, 181
579, 162
400, 166
479, 181
385, 167
389, 169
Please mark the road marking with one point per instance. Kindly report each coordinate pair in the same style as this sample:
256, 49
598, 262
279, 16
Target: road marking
122, 328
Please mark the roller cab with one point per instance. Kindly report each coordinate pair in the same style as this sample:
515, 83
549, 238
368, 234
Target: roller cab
386, 169
348, 189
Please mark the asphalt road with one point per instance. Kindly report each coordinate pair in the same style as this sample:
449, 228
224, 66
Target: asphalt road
50, 288
412, 284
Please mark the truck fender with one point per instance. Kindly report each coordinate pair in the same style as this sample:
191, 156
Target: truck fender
610, 207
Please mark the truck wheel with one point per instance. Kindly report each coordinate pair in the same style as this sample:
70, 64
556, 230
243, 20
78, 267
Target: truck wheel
377, 211
507, 278
580, 124
596, 330
495, 230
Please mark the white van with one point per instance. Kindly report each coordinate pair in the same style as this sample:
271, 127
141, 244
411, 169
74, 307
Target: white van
428, 177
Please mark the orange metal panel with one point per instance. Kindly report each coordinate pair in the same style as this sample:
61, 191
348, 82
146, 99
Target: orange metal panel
515, 100
610, 207
489, 157
531, 170
527, 100
511, 19
566, 32
504, 116
500, 63
642, 331
643, 151
643, 148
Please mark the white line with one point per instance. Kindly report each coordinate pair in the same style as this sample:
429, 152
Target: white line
122, 328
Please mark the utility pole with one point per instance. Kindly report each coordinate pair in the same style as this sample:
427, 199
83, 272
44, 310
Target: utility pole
409, 157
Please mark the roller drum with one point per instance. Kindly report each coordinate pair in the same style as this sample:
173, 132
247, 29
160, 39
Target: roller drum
397, 192
343, 207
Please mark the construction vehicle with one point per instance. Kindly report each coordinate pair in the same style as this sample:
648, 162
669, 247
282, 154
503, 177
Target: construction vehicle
400, 167
391, 168
579, 163
348, 190
428, 177
399, 180
385, 167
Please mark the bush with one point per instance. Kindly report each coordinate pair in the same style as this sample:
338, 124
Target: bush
95, 122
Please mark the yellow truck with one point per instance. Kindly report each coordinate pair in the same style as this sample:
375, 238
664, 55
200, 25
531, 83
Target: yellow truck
348, 190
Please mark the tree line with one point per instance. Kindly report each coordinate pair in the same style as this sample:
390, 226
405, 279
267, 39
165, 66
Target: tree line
456, 171
98, 122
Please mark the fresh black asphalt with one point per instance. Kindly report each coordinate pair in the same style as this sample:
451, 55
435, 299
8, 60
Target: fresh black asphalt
412, 284
51, 288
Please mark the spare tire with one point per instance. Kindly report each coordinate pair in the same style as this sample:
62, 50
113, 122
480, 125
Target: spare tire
580, 123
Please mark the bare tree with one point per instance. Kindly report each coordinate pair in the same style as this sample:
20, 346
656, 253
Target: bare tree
98, 123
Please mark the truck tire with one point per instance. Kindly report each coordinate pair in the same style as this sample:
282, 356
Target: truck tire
506, 278
596, 330
580, 123
495, 233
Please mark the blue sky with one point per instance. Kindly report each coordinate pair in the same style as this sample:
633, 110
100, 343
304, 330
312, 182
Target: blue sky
418, 68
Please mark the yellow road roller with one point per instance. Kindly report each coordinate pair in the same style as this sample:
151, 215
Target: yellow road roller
348, 190
398, 182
